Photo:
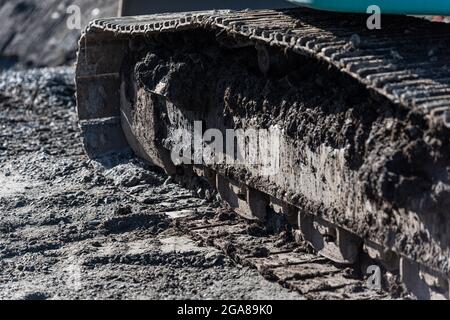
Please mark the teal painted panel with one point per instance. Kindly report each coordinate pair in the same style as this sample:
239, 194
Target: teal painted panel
418, 7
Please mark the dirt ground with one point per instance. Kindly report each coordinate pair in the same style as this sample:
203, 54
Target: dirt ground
31, 24
71, 229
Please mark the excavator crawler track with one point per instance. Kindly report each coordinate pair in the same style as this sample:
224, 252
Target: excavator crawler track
380, 183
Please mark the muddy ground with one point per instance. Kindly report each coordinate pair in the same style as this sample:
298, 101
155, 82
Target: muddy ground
70, 228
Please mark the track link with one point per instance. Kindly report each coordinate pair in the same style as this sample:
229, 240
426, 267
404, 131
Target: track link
278, 258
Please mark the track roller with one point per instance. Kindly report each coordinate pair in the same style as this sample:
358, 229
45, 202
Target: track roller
331, 242
285, 209
247, 202
423, 284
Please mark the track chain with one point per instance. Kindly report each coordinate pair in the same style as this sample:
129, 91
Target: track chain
278, 258
408, 61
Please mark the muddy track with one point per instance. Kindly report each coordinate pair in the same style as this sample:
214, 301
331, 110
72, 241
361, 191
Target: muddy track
278, 258
363, 116
74, 228
275, 249
403, 64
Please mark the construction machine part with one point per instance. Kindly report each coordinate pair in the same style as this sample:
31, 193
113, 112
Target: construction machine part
330, 241
248, 202
417, 7
273, 255
360, 120
423, 283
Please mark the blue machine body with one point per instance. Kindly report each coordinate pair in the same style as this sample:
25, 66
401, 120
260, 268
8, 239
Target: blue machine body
413, 7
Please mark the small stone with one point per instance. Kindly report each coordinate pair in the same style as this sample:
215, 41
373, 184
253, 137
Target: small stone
30, 269
150, 201
226, 216
261, 252
94, 223
35, 296
20, 204
255, 230
124, 211
96, 244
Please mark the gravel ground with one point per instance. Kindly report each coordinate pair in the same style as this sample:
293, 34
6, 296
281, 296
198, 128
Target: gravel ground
69, 227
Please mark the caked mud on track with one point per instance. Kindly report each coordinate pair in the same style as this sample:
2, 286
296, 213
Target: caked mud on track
364, 151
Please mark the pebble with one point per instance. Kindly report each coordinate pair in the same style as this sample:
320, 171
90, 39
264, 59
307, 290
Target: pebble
124, 211
94, 223
20, 204
36, 296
